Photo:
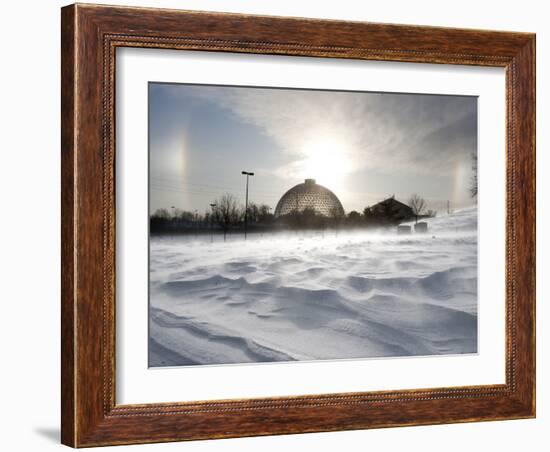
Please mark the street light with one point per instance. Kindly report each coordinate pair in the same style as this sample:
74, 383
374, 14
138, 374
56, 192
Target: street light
247, 174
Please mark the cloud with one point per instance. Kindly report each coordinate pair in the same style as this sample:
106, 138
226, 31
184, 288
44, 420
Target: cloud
379, 131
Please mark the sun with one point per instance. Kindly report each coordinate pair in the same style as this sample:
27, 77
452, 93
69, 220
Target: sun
326, 159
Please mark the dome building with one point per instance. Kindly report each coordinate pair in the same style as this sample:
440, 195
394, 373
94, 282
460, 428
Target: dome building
309, 195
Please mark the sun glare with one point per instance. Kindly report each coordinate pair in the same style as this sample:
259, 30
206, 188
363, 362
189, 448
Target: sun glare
326, 160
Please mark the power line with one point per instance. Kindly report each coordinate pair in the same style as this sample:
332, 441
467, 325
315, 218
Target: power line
199, 187
207, 192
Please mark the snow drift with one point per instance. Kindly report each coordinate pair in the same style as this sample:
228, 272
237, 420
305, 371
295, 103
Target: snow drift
314, 295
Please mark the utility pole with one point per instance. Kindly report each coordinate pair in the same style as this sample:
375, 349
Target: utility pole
247, 174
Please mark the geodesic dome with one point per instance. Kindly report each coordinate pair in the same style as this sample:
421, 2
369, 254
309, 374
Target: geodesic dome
309, 195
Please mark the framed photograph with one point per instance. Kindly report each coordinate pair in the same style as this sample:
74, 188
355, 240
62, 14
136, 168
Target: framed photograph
281, 225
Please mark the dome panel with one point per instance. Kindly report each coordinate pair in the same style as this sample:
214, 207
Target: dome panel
309, 195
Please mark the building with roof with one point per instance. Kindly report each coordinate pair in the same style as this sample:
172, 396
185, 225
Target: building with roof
392, 210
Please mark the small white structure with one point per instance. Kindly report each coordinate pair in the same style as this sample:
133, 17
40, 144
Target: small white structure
421, 227
403, 229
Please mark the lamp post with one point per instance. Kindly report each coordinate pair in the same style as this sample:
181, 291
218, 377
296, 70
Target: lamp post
212, 206
247, 174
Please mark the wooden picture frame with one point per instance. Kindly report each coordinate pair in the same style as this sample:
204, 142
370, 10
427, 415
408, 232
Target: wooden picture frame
90, 36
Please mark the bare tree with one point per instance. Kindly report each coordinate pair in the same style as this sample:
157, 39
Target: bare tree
227, 212
335, 217
473, 177
184, 215
253, 212
418, 205
354, 218
161, 213
431, 213
265, 215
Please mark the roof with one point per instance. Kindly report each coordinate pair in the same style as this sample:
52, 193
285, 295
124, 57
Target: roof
309, 195
391, 200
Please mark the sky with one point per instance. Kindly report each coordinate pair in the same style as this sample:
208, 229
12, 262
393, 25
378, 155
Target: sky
363, 146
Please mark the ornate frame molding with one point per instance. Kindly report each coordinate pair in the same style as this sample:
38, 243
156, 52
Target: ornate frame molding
90, 37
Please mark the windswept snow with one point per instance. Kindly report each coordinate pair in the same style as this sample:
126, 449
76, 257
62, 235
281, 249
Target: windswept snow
311, 296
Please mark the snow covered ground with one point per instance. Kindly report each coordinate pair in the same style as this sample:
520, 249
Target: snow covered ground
310, 296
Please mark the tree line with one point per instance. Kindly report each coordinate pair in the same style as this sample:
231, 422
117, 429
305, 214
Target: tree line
228, 215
